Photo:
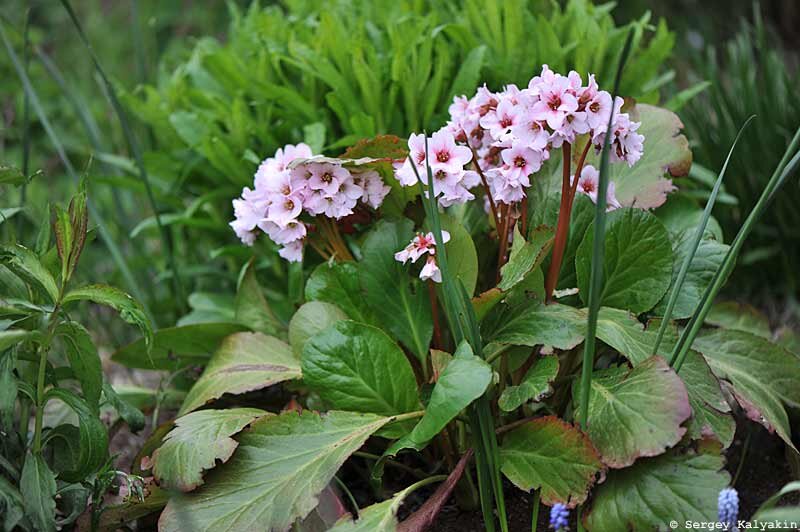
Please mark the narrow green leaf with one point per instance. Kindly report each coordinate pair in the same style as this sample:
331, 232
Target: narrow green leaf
37, 485
13, 506
128, 412
84, 360
26, 265
129, 309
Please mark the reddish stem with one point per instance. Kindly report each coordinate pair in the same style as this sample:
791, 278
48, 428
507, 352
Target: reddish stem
562, 229
578, 170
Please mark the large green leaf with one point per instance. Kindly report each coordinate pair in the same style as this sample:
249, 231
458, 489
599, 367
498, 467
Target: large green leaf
739, 317
177, 347
638, 261
400, 301
534, 323
704, 265
197, 442
12, 505
244, 362
339, 284
25, 264
550, 455
83, 359
37, 485
711, 413
311, 318
636, 412
666, 152
535, 384
463, 380
359, 368
282, 463
675, 486
251, 306
93, 437
525, 256
762, 375
461, 254
129, 309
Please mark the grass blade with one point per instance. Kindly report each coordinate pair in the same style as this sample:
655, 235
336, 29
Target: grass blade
133, 146
26, 119
787, 165
117, 256
698, 236
598, 250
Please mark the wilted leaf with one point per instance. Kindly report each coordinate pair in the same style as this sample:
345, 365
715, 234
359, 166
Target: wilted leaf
637, 263
196, 443
636, 412
270, 482
243, 363
553, 456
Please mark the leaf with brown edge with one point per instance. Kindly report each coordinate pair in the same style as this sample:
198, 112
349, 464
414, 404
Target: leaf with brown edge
197, 442
636, 412
425, 516
244, 362
551, 455
666, 154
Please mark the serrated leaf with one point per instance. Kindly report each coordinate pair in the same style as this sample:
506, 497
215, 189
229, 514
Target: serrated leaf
270, 482
339, 284
762, 375
93, 436
26, 265
177, 347
197, 442
636, 412
704, 265
637, 261
37, 485
654, 491
535, 385
251, 306
83, 359
550, 455
312, 318
464, 379
398, 300
244, 362
129, 309
359, 368
525, 256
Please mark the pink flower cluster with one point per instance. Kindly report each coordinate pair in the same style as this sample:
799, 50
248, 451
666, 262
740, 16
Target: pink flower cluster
282, 192
451, 182
419, 246
588, 184
513, 131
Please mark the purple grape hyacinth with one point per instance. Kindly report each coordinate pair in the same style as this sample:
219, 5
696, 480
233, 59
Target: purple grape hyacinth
728, 507
559, 517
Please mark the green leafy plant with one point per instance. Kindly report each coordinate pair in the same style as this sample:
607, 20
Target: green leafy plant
51, 371
484, 367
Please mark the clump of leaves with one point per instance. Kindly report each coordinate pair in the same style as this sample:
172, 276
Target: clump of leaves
50, 370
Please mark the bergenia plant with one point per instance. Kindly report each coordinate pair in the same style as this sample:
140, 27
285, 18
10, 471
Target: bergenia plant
443, 336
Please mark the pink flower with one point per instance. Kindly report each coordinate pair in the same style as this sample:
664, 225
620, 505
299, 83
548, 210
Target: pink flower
588, 184
556, 101
292, 252
285, 210
431, 271
375, 190
445, 154
501, 120
531, 133
598, 109
326, 177
420, 245
521, 163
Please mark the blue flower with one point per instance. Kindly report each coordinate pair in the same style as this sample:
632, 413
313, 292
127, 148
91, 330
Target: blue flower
728, 507
559, 517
